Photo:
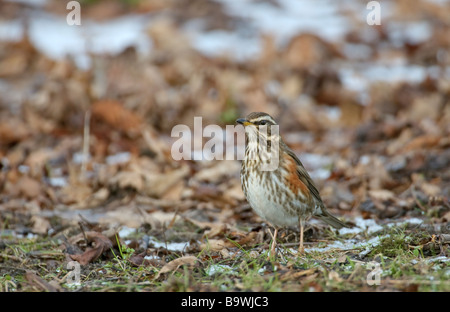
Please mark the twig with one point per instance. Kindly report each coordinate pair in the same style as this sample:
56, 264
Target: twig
87, 120
414, 194
84, 233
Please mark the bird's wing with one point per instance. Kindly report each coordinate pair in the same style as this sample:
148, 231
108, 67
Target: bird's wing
304, 176
322, 213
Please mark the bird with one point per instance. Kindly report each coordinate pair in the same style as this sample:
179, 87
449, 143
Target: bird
275, 183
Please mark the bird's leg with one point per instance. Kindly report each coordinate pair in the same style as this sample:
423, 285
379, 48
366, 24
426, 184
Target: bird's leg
274, 242
300, 247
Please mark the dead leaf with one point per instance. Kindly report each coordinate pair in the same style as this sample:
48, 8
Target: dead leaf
215, 230
290, 275
427, 106
235, 192
13, 130
14, 64
128, 179
215, 244
156, 185
397, 145
100, 244
218, 171
243, 238
76, 193
40, 225
117, 116
175, 264
422, 142
306, 50
334, 276
140, 260
381, 194
40, 283
156, 145
28, 187
351, 113
428, 188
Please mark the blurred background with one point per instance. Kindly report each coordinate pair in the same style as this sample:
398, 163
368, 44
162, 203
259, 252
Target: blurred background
86, 111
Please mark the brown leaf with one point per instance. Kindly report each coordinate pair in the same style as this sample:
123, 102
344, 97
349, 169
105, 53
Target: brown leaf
139, 260
76, 193
215, 244
292, 275
156, 185
235, 192
175, 264
117, 116
40, 224
37, 158
352, 113
306, 50
13, 130
217, 172
381, 194
100, 244
29, 187
128, 179
250, 238
429, 189
427, 106
12, 65
422, 142
35, 280
215, 230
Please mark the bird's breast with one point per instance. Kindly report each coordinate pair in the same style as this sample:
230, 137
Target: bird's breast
268, 196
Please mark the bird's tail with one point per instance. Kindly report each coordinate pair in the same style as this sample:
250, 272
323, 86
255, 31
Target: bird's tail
331, 220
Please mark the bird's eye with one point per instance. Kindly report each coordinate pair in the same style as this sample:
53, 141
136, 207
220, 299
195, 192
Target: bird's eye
263, 122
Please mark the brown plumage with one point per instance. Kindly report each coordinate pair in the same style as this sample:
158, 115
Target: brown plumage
283, 195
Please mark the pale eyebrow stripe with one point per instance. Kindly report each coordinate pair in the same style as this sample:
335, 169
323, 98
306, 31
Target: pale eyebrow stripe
267, 118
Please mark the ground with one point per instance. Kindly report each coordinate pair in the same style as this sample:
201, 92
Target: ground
92, 199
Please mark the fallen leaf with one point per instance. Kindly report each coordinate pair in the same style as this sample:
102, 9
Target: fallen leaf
175, 264
128, 179
140, 260
100, 244
40, 225
306, 50
334, 276
421, 142
215, 230
35, 280
28, 187
220, 170
114, 114
13, 130
235, 192
156, 185
215, 244
381, 194
290, 275
430, 189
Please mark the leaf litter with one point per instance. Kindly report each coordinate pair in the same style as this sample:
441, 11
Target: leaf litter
86, 171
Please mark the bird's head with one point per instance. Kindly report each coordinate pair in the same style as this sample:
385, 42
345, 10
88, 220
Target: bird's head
259, 124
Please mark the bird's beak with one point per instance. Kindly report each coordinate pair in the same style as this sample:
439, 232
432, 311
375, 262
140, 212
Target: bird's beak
243, 122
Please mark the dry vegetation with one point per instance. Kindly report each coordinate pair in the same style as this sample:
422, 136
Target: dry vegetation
389, 162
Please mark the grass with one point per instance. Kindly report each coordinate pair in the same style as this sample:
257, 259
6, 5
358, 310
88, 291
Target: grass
400, 255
